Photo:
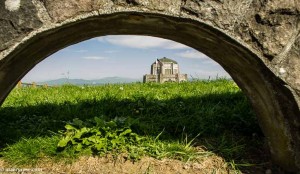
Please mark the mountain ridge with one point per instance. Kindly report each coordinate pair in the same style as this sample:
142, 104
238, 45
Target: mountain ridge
105, 80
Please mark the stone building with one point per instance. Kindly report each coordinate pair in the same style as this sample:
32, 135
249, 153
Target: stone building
165, 70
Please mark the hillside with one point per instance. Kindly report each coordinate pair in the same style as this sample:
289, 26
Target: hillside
106, 80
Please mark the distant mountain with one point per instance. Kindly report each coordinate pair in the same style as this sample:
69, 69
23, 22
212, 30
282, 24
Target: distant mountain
106, 80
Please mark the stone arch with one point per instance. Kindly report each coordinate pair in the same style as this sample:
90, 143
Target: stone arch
32, 30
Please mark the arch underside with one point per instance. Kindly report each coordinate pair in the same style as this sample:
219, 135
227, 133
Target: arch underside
272, 101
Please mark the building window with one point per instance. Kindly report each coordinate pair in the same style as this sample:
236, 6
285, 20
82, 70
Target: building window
168, 71
158, 70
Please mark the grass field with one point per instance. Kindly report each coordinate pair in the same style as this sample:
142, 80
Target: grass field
189, 122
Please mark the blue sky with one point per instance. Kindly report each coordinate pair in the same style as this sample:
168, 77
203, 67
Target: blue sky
122, 56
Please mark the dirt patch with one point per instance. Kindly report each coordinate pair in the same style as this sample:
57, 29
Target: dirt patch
108, 165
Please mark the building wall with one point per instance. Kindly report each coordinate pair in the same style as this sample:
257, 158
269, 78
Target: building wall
164, 68
161, 78
164, 72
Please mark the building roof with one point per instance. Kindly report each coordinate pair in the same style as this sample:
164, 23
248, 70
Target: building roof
164, 59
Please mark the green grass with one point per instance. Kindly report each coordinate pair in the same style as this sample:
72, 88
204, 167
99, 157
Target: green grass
215, 112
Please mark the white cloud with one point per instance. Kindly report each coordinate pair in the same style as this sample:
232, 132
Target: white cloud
81, 51
94, 58
142, 42
193, 54
211, 62
111, 51
174, 45
100, 39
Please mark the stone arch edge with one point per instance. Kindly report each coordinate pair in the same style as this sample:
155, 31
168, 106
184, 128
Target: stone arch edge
35, 35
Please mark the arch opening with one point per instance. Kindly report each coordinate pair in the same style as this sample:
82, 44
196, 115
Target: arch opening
267, 93
196, 114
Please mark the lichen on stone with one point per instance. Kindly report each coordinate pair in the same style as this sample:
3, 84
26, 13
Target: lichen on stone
12, 5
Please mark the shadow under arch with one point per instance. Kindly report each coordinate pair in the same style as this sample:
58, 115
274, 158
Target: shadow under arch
272, 101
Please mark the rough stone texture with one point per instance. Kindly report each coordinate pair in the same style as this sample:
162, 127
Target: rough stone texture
256, 41
61, 10
261, 24
16, 24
